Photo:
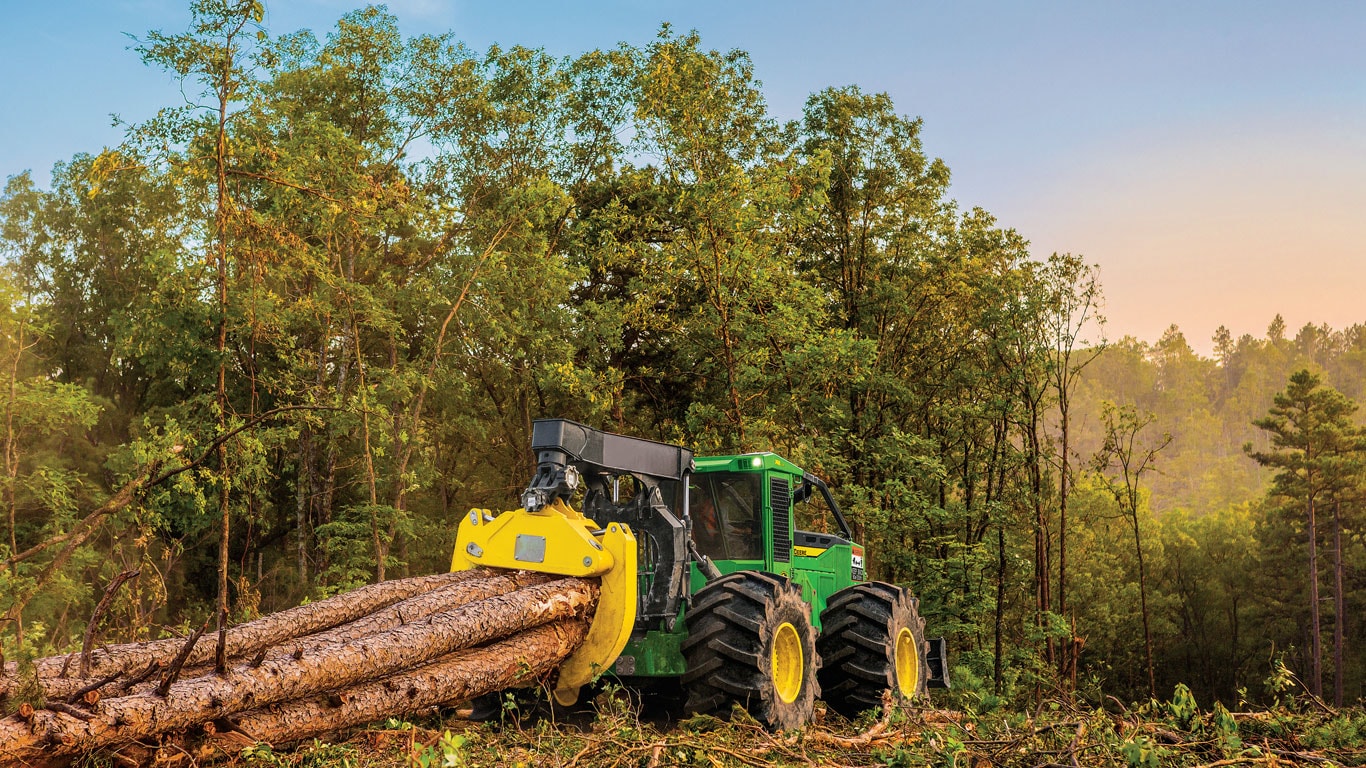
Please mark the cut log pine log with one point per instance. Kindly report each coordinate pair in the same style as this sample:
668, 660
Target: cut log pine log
517, 661
403, 612
251, 637
189, 703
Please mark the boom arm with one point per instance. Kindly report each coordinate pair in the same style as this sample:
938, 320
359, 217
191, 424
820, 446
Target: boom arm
569, 454
567, 451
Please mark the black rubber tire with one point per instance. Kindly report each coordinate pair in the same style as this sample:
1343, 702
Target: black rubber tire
732, 627
858, 647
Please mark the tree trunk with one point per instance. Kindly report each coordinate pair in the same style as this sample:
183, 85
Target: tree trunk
303, 500
1042, 568
1233, 655
12, 475
376, 541
1338, 604
250, 638
221, 257
1066, 655
517, 661
1143, 602
249, 686
997, 679
1315, 639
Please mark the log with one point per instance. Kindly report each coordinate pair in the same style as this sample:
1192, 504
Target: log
412, 611
192, 702
403, 612
517, 661
251, 637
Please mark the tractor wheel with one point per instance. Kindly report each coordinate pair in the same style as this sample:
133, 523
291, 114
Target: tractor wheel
872, 640
750, 641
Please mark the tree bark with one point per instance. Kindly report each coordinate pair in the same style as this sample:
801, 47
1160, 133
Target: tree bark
246, 686
516, 661
1315, 637
999, 655
250, 638
303, 500
446, 598
1042, 567
1065, 424
1338, 604
520, 660
223, 91
1143, 602
103, 606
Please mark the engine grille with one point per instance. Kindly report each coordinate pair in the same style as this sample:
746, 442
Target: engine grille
780, 496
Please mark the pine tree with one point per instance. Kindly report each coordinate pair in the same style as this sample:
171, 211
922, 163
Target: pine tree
1312, 438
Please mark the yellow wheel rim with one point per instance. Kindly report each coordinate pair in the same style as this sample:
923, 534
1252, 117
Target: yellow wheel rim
907, 663
789, 663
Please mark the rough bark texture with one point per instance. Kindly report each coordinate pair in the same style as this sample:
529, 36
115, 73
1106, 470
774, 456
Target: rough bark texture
251, 637
517, 661
337, 678
403, 612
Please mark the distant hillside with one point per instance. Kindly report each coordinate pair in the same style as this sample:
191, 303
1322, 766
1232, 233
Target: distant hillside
1208, 405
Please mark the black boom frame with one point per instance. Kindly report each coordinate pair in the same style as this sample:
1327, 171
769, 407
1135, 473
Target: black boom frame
570, 455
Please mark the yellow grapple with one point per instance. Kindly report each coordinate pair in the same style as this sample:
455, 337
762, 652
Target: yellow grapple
557, 539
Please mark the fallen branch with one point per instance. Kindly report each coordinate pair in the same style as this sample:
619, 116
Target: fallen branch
174, 672
95, 617
94, 687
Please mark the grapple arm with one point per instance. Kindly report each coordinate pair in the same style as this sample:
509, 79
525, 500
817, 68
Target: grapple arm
549, 536
558, 540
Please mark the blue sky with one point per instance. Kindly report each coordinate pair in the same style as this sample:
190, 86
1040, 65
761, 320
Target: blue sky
1210, 157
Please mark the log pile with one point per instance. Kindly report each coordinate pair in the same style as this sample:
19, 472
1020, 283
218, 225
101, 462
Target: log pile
384, 650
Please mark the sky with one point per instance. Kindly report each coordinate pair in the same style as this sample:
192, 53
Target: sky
1209, 157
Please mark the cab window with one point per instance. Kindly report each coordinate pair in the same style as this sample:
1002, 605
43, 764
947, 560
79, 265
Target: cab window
726, 514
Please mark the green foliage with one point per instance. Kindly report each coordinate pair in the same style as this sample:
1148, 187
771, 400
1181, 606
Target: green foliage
316, 754
346, 550
1343, 731
25, 689
1225, 730
917, 738
898, 757
1142, 752
447, 752
1280, 684
1182, 708
263, 754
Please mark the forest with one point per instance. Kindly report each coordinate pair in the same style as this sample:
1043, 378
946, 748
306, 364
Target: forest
273, 345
